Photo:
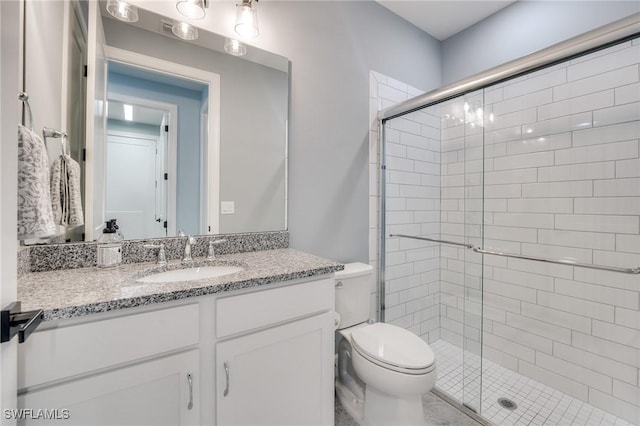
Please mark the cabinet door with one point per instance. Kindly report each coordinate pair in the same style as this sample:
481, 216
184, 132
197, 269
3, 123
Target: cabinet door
279, 376
155, 392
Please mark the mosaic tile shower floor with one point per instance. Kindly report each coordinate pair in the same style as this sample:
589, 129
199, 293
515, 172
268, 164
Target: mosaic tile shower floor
537, 404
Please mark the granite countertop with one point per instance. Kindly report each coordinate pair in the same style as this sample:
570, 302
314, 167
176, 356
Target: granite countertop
72, 293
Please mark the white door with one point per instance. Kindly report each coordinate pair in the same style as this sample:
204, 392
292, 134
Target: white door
95, 124
9, 118
131, 190
279, 376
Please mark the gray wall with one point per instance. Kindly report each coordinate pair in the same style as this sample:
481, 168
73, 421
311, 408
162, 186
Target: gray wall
43, 44
252, 149
332, 46
253, 125
523, 28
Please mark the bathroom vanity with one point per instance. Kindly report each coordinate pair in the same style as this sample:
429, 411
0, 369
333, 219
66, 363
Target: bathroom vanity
252, 347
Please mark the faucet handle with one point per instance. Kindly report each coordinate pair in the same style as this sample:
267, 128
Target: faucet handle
181, 233
211, 255
211, 252
162, 256
187, 249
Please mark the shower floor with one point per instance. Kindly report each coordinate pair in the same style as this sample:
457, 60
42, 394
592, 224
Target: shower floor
537, 404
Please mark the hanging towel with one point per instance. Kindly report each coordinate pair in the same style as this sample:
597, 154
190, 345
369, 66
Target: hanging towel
35, 217
65, 192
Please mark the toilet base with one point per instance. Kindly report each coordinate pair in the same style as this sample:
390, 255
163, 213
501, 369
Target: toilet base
352, 404
381, 409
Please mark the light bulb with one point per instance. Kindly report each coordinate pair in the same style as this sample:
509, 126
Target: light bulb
192, 9
247, 20
184, 31
122, 10
234, 47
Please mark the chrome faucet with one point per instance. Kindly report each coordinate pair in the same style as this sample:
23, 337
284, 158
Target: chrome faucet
211, 255
187, 249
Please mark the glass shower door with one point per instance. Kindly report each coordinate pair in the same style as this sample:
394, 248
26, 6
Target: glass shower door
432, 180
462, 141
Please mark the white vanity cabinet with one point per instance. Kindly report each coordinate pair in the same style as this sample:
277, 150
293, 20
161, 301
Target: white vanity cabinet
258, 356
279, 368
134, 369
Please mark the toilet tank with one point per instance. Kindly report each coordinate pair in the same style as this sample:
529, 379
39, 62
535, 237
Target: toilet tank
353, 293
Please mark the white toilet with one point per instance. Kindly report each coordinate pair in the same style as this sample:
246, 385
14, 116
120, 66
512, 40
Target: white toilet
383, 370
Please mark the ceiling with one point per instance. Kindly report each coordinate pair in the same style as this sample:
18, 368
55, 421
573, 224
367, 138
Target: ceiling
156, 77
444, 18
141, 114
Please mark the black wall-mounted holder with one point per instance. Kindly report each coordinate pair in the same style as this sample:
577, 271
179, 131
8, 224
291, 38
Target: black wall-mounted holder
13, 321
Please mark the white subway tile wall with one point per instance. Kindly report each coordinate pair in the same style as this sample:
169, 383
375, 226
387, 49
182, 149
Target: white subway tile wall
412, 207
545, 165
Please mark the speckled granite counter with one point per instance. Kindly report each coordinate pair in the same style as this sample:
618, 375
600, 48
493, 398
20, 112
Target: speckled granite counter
76, 292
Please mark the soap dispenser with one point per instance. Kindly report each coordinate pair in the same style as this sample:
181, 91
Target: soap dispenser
110, 245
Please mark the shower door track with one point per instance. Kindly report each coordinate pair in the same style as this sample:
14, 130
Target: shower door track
597, 39
634, 270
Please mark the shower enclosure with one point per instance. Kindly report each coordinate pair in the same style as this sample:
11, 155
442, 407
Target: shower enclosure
509, 234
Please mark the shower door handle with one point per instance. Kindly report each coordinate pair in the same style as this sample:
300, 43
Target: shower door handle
633, 270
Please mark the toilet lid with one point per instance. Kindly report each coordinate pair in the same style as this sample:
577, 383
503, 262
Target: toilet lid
393, 345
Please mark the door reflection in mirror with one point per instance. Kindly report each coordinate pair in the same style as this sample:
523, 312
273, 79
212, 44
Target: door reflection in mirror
154, 140
136, 192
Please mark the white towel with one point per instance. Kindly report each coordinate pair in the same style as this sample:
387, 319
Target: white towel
35, 217
65, 192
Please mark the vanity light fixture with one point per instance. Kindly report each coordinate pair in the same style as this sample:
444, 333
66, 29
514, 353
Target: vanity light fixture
234, 47
122, 10
192, 9
247, 19
184, 31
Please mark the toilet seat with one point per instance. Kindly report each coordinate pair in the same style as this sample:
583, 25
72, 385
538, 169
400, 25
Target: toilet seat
393, 348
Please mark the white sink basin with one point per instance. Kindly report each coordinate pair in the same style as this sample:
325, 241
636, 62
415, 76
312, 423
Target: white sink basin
189, 274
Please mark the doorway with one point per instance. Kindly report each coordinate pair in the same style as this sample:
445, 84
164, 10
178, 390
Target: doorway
168, 197
140, 166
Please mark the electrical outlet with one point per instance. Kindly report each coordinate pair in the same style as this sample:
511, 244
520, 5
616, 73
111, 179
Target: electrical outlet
227, 207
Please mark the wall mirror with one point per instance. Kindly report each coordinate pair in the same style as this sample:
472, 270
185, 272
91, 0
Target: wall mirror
180, 135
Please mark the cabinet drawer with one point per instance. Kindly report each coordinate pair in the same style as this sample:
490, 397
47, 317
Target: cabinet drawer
59, 353
244, 312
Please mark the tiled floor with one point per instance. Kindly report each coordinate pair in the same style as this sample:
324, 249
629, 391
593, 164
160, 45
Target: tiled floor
537, 404
437, 412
